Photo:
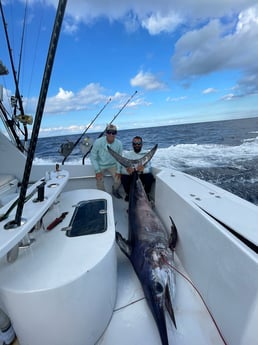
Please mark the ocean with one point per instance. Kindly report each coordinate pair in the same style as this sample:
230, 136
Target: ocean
222, 152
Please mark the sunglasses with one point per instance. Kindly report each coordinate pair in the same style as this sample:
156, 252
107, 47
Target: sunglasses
137, 143
111, 132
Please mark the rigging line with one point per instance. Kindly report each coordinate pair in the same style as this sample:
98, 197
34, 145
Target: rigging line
17, 92
19, 69
25, 133
77, 141
92, 121
129, 100
22, 41
11, 59
35, 54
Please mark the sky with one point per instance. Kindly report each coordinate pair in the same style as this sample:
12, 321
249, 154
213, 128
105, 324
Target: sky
174, 62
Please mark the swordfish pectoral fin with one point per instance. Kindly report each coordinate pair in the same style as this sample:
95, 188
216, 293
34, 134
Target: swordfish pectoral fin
133, 162
168, 304
123, 244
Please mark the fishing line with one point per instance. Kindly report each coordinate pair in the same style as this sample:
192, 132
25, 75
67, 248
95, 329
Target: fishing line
102, 133
22, 42
77, 141
127, 305
35, 54
199, 294
17, 92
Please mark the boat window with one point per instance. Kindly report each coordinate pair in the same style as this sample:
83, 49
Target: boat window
89, 217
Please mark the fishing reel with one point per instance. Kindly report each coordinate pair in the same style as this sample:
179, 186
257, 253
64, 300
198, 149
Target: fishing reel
66, 148
25, 119
85, 145
3, 69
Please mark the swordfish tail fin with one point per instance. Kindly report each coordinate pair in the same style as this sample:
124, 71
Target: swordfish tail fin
133, 163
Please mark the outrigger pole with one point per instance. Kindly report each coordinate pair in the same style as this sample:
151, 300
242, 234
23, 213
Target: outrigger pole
102, 133
40, 108
77, 141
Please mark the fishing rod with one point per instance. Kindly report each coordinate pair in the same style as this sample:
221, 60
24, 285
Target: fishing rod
40, 108
68, 147
129, 100
17, 92
102, 133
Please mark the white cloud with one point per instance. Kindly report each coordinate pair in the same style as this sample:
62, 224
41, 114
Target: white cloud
70, 27
228, 97
209, 43
64, 95
147, 81
217, 47
156, 23
176, 99
66, 100
247, 19
155, 16
91, 95
209, 90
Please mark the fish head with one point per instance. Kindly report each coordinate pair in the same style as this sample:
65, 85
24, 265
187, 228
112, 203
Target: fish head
157, 284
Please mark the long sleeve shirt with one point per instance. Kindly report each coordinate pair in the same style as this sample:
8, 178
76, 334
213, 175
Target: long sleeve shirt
101, 159
133, 155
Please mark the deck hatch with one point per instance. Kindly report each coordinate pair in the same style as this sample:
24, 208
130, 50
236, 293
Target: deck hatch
89, 217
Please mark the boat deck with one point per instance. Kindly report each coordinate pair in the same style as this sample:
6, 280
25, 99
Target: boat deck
132, 322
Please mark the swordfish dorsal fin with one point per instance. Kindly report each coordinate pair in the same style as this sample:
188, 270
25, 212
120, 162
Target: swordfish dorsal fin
133, 162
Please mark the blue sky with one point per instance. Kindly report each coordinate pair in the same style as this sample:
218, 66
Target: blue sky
189, 61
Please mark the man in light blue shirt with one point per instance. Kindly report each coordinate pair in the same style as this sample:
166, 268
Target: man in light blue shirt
102, 160
145, 173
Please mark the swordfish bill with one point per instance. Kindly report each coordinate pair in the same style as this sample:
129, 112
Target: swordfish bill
150, 249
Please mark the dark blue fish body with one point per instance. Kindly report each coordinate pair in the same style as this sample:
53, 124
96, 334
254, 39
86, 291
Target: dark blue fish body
150, 249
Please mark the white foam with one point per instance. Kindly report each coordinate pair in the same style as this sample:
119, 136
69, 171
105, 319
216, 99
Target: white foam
204, 156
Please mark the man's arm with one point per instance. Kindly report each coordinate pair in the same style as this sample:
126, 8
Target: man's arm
94, 157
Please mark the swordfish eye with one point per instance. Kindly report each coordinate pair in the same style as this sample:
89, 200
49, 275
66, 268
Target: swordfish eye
158, 288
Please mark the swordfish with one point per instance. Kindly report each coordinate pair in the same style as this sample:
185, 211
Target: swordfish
150, 248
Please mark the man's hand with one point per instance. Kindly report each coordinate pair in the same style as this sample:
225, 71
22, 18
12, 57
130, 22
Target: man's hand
130, 170
140, 168
99, 176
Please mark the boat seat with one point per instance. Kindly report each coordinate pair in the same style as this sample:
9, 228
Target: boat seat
8, 188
